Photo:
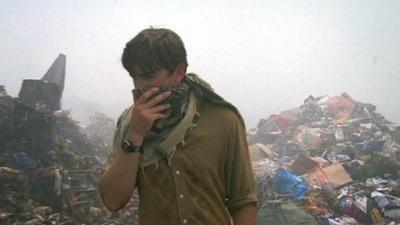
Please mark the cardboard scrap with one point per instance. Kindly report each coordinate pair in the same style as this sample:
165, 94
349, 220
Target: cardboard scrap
303, 165
335, 174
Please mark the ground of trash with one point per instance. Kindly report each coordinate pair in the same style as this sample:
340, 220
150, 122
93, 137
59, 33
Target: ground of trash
331, 161
50, 165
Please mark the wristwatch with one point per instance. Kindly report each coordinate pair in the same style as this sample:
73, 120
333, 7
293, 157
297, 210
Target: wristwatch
128, 147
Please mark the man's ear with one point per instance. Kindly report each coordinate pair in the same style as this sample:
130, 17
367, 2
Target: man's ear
180, 71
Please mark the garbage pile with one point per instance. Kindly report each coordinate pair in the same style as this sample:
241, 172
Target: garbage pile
49, 168
331, 161
49, 164
100, 131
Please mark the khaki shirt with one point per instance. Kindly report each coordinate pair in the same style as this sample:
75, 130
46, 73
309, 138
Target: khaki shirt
210, 176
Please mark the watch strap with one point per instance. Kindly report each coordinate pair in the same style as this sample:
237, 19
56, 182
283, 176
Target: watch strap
128, 147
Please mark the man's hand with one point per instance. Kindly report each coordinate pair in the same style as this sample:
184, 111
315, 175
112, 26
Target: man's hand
145, 112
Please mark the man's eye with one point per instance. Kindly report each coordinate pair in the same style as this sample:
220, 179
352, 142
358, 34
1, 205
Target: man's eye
147, 76
143, 76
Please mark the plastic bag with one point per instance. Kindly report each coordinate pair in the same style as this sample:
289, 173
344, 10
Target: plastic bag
286, 182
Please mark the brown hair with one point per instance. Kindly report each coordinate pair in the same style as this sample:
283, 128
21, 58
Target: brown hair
154, 49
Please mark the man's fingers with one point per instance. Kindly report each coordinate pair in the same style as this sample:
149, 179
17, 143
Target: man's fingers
156, 100
158, 108
157, 116
147, 95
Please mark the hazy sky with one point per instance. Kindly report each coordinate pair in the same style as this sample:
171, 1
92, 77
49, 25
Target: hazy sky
263, 56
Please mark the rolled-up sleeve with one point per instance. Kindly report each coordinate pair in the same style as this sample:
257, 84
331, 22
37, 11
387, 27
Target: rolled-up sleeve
240, 180
119, 133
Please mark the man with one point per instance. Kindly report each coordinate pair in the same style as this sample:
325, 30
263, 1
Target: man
180, 144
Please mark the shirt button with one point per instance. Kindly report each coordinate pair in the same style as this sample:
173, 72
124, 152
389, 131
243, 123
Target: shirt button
185, 221
181, 196
178, 172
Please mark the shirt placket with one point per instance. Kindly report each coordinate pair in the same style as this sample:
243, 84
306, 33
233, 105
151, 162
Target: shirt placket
181, 192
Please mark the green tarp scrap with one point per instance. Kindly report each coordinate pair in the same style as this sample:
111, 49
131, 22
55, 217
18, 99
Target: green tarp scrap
283, 213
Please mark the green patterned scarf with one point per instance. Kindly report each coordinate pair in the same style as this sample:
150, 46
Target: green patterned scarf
163, 145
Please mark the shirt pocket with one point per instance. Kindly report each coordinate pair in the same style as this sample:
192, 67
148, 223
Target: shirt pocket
202, 154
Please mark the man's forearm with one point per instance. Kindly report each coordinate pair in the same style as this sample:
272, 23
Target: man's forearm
119, 180
246, 215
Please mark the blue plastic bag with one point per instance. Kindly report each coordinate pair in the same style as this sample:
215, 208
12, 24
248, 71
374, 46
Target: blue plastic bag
286, 182
23, 160
371, 146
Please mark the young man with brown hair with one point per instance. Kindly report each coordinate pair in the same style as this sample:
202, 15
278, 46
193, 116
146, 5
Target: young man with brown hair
182, 145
